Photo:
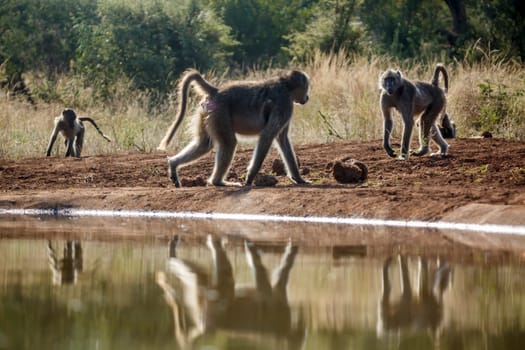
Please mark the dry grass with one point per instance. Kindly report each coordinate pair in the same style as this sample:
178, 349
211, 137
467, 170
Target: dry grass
344, 105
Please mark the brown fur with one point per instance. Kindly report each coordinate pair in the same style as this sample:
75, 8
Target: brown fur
413, 99
72, 128
261, 108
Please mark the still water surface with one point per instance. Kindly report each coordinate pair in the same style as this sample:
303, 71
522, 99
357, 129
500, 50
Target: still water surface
176, 291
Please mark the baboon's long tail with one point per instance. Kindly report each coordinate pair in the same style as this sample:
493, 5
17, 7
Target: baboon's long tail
87, 119
435, 79
184, 85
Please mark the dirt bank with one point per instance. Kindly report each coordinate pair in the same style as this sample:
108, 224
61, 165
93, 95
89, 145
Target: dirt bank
482, 181
487, 171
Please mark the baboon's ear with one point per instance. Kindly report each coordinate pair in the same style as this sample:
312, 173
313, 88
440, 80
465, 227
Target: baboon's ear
294, 79
399, 74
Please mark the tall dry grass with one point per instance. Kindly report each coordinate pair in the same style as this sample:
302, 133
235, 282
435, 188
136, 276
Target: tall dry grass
489, 95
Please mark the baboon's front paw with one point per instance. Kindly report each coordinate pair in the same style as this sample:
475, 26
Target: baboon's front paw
402, 157
438, 155
391, 153
225, 183
300, 181
420, 152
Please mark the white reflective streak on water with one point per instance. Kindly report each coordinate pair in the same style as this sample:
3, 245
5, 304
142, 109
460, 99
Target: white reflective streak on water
486, 228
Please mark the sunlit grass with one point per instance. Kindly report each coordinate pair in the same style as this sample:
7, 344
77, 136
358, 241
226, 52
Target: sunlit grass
344, 104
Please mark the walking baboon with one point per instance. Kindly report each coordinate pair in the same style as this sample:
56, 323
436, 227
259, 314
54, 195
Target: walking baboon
252, 108
420, 312
72, 128
412, 99
202, 304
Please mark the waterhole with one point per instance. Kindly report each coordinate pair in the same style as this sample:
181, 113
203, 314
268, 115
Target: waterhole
150, 283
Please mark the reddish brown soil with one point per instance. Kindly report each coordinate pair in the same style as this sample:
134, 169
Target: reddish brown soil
482, 181
490, 171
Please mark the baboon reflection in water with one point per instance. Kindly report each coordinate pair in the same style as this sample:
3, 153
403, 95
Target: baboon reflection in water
421, 312
205, 304
65, 270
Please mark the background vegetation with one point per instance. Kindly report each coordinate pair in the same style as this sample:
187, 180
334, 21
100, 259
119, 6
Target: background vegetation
119, 60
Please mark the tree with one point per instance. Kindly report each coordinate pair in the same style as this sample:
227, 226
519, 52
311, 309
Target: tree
333, 27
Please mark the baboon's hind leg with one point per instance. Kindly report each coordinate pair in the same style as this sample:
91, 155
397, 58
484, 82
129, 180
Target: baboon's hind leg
194, 150
225, 143
223, 158
427, 122
438, 138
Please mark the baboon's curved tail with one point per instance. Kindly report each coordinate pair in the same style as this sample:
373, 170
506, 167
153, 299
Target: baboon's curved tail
435, 79
204, 88
87, 119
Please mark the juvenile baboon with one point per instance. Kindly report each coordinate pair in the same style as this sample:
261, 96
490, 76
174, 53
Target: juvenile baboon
72, 128
412, 99
447, 127
251, 108
203, 303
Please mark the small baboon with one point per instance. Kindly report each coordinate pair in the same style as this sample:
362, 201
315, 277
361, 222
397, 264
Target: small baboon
448, 127
252, 108
412, 99
203, 303
73, 130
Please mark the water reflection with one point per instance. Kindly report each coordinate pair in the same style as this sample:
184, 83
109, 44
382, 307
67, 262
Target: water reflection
65, 269
419, 311
207, 302
125, 285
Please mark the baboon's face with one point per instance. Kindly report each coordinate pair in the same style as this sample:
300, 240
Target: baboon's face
299, 86
390, 81
69, 115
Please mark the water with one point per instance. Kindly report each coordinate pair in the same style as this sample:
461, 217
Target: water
87, 283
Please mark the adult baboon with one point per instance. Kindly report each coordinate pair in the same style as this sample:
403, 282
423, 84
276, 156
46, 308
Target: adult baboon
412, 99
73, 130
253, 108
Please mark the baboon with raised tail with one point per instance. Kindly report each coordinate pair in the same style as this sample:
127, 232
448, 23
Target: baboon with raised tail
413, 99
72, 128
251, 108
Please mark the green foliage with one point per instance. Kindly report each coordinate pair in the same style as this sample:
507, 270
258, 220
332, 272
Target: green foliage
146, 44
499, 108
261, 26
403, 28
499, 23
150, 43
333, 28
37, 35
